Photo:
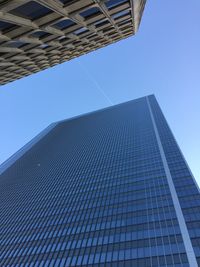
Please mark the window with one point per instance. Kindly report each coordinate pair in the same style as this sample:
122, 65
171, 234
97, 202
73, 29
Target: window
31, 10
90, 12
63, 24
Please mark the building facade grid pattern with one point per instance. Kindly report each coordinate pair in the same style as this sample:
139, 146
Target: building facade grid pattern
35, 35
93, 192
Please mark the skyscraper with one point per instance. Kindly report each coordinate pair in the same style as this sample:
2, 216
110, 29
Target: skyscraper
109, 188
35, 35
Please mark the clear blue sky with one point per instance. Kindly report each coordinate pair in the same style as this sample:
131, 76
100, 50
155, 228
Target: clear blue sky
163, 58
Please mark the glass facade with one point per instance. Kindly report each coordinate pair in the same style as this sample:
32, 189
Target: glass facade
95, 191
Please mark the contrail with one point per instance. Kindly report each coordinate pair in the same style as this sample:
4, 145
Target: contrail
89, 75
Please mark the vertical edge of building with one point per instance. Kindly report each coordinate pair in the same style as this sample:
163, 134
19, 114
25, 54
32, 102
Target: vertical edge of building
187, 191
